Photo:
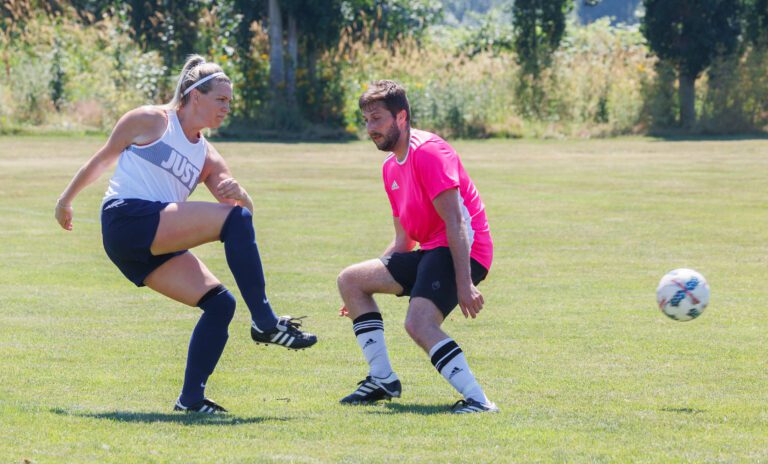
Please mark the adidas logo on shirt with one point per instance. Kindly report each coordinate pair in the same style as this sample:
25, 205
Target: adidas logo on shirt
369, 342
394, 185
455, 371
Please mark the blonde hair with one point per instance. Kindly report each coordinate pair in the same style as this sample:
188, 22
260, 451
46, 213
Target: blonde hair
195, 69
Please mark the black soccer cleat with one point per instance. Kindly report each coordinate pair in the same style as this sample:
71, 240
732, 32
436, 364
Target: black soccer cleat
470, 406
286, 333
204, 407
371, 390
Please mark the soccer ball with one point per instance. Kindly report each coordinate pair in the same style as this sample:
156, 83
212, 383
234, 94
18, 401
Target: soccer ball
683, 294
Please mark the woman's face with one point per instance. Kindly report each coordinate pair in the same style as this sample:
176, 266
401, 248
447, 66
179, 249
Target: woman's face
214, 105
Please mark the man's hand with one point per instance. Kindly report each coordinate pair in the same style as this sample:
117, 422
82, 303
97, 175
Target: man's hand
343, 311
470, 300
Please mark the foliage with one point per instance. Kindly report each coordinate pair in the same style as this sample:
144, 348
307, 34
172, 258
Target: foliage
595, 86
389, 21
492, 34
691, 33
87, 80
756, 15
539, 27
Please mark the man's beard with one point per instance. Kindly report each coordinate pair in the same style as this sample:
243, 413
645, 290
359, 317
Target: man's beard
389, 139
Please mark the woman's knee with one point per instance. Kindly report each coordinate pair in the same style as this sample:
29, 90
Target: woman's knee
219, 301
238, 225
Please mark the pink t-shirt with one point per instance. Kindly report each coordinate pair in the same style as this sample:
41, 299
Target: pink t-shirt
430, 168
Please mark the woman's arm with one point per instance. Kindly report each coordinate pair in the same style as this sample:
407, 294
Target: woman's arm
222, 185
141, 125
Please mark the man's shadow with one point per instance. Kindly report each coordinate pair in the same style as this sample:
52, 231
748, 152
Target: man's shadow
178, 418
399, 408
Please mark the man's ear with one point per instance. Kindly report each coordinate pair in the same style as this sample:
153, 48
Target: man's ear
402, 117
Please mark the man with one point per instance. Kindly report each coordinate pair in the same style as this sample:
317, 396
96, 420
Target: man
435, 204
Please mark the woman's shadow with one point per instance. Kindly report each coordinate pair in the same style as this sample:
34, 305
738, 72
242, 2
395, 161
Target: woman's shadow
178, 418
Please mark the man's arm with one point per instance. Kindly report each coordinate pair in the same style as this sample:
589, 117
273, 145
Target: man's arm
448, 207
402, 242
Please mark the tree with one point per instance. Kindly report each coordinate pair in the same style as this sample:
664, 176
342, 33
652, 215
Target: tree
690, 34
756, 14
539, 28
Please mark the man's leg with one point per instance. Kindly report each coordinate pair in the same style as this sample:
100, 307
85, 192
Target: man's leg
433, 297
423, 325
357, 284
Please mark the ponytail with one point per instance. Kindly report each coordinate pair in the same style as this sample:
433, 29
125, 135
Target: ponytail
194, 71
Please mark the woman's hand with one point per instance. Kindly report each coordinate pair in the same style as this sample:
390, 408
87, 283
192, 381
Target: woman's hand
63, 214
230, 189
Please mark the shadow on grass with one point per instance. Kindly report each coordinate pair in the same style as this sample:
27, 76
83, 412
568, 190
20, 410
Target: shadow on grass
684, 410
423, 409
178, 418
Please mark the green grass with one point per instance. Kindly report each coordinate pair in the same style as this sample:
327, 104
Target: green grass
571, 345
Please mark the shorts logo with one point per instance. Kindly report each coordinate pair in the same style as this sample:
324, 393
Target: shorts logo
436, 285
115, 204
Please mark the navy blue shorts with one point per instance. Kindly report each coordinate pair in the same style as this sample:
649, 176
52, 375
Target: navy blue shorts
429, 274
128, 228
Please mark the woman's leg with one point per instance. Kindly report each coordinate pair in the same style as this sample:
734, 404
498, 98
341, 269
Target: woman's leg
186, 279
189, 224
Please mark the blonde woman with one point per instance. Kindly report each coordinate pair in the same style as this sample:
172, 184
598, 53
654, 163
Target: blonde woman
148, 226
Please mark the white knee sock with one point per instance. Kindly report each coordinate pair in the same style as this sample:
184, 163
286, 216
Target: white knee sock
369, 330
449, 361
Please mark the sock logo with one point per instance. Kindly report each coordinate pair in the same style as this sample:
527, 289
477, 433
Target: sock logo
455, 371
369, 342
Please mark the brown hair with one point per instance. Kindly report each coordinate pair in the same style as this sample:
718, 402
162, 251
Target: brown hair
195, 69
390, 93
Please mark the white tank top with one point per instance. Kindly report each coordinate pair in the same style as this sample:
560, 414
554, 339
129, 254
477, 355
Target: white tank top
166, 170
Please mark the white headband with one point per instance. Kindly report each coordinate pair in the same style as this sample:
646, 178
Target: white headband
202, 81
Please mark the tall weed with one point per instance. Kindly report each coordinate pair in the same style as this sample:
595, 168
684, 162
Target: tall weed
61, 74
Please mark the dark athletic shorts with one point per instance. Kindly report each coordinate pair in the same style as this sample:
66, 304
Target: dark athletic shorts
128, 228
429, 274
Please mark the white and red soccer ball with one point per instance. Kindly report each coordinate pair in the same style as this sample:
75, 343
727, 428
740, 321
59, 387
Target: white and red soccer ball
682, 294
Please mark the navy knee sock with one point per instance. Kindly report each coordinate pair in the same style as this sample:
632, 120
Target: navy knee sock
245, 263
207, 343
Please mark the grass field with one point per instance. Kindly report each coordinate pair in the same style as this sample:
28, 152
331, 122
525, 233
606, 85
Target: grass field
570, 346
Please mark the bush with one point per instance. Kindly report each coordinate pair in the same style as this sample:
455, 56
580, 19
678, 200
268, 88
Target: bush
594, 87
86, 81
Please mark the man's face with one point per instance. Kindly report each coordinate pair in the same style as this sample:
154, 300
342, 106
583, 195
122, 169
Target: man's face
382, 127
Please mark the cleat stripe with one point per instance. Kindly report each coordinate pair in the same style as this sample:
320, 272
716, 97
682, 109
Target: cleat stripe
290, 342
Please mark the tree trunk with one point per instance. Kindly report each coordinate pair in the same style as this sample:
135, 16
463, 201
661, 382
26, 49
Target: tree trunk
687, 96
276, 67
293, 58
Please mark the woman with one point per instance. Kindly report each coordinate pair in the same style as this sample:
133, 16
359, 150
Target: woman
148, 226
